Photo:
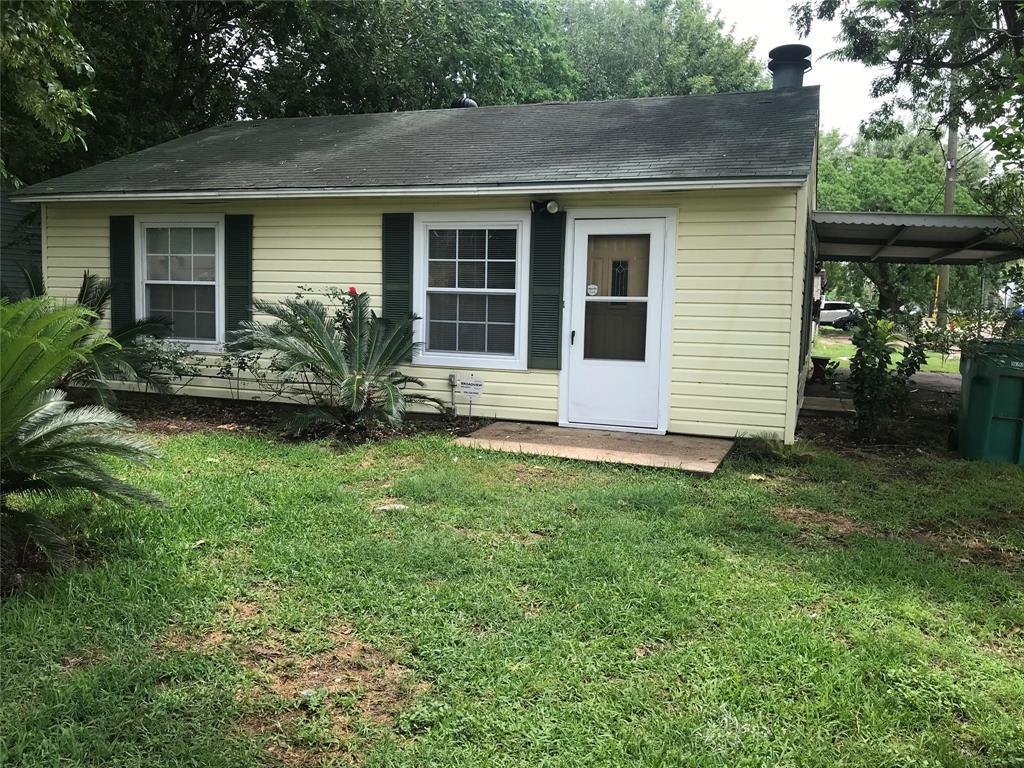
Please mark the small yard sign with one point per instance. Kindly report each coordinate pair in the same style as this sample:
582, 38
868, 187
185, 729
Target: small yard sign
470, 387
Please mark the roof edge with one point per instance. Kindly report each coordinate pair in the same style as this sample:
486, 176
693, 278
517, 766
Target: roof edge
889, 218
679, 185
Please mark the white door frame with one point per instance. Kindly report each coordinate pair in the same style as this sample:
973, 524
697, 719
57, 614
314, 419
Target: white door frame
670, 217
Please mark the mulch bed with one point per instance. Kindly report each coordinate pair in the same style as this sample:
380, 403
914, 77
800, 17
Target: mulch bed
183, 414
925, 428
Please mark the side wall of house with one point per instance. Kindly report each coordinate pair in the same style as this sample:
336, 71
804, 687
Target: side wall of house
737, 288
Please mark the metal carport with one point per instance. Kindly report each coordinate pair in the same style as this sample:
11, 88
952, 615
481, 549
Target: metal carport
914, 238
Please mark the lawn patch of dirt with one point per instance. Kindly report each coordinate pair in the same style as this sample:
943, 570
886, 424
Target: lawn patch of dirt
531, 475
970, 549
966, 548
526, 539
827, 522
83, 660
307, 707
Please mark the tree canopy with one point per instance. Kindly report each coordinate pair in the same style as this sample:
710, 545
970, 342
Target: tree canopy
151, 71
44, 85
621, 49
927, 47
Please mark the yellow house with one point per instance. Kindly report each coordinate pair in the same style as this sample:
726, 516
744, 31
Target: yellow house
639, 264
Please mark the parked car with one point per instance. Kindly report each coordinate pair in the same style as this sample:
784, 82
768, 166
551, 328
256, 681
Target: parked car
838, 314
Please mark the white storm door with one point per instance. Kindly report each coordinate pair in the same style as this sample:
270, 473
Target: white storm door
615, 333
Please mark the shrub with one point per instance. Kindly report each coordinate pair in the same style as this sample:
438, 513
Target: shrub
47, 446
343, 359
142, 353
880, 389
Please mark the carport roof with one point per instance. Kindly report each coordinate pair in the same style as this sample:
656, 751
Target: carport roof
915, 238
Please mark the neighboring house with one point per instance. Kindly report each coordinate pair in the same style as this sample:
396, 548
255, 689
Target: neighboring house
20, 247
635, 264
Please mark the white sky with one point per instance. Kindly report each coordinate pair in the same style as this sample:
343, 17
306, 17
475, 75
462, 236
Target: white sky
845, 86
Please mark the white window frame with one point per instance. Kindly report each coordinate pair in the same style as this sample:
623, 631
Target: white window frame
422, 224
183, 220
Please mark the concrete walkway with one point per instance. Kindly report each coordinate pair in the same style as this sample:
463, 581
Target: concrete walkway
937, 382
701, 455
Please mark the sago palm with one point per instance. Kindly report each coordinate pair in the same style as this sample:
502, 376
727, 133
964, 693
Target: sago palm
46, 445
346, 364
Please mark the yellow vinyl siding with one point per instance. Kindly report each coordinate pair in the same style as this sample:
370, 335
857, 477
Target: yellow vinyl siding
732, 314
737, 286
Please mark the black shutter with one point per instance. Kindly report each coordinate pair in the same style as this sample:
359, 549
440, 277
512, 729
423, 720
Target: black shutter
122, 272
396, 244
547, 246
396, 265
237, 270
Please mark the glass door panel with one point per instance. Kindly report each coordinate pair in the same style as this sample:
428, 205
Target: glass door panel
615, 319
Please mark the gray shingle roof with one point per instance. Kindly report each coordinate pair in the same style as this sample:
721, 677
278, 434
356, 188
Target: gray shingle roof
751, 135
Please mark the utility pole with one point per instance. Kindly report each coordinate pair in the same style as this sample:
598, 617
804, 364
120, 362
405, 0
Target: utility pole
949, 199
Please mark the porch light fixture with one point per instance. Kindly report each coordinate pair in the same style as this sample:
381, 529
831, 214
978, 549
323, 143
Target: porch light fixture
551, 206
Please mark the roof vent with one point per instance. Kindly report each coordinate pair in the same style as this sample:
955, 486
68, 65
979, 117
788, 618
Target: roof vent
463, 102
788, 64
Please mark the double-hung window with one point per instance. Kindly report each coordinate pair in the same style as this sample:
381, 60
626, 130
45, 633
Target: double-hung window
181, 277
470, 276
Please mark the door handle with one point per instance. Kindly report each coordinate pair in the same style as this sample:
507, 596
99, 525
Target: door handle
572, 338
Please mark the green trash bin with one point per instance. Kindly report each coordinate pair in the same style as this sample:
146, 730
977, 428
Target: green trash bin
992, 402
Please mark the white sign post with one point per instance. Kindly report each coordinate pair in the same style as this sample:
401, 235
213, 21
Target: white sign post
470, 387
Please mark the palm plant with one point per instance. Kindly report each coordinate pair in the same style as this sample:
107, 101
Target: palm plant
345, 361
46, 445
140, 355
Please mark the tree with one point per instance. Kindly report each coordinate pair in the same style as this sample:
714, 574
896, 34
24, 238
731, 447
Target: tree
925, 45
352, 56
165, 69
44, 86
623, 49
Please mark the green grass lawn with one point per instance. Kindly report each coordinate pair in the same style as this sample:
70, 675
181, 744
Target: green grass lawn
840, 348
446, 607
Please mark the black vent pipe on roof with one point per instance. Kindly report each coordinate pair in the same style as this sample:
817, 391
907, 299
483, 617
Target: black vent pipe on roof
463, 102
788, 63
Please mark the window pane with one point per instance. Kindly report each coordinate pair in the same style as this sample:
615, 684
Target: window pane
184, 297
471, 337
181, 267
184, 325
202, 268
501, 244
472, 308
206, 299
158, 298
442, 336
156, 239
501, 274
156, 267
618, 263
472, 243
442, 244
181, 240
205, 325
615, 330
471, 274
202, 240
443, 306
501, 339
442, 274
501, 309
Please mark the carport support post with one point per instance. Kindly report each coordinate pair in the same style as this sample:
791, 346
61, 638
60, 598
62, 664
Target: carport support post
949, 200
